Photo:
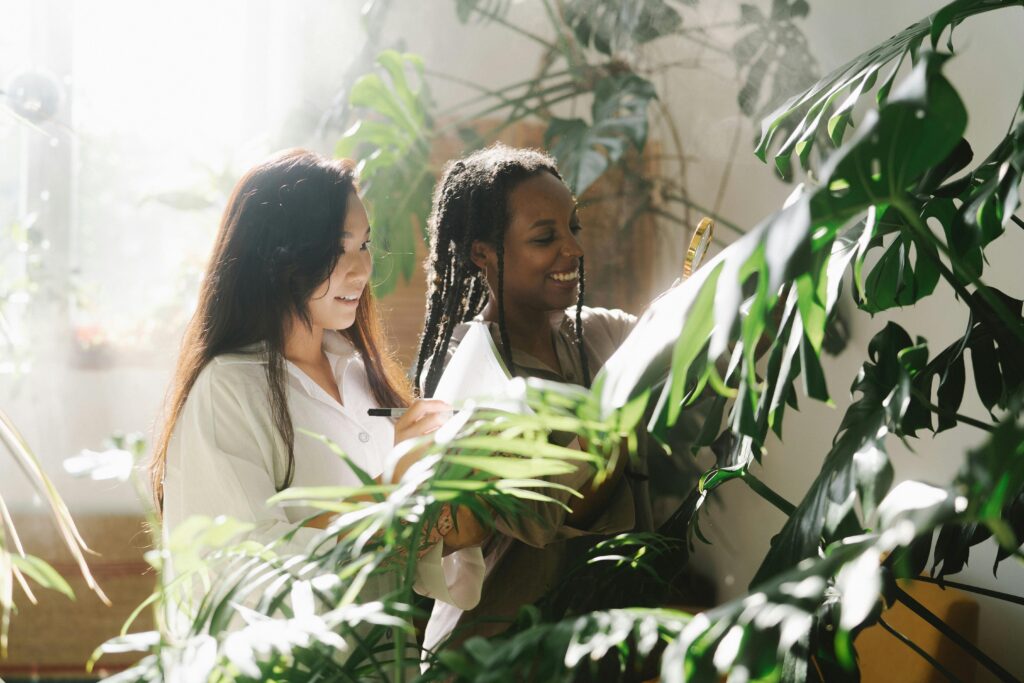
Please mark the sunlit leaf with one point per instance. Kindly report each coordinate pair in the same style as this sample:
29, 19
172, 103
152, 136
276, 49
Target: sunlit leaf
618, 124
392, 143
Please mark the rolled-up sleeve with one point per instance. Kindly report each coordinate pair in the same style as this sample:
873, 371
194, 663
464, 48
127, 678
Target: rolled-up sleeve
456, 579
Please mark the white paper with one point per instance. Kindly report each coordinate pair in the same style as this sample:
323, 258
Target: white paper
477, 375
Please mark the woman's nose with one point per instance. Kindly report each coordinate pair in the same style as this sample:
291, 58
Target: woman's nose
571, 248
360, 267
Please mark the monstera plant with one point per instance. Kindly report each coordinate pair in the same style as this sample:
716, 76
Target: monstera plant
868, 210
832, 568
601, 58
866, 207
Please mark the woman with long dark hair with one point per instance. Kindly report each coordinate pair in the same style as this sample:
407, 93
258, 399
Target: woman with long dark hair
286, 341
504, 252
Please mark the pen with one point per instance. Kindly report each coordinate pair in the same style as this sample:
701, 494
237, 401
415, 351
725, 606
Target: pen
395, 412
386, 412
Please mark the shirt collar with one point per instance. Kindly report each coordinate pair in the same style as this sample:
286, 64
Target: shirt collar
340, 352
337, 344
562, 324
556, 319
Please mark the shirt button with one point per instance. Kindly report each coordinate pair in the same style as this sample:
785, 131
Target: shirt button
364, 437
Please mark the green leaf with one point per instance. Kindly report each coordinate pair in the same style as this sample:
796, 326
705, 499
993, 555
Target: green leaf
813, 373
951, 393
902, 277
840, 118
391, 142
811, 293
884, 385
614, 26
481, 9
994, 191
618, 124
802, 115
874, 474
42, 573
986, 371
696, 331
514, 468
917, 127
522, 447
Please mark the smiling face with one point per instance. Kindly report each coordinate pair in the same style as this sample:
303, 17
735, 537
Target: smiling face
542, 250
333, 304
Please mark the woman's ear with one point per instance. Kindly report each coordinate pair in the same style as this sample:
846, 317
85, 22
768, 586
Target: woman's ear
483, 256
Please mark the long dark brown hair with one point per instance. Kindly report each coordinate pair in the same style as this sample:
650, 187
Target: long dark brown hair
470, 204
279, 241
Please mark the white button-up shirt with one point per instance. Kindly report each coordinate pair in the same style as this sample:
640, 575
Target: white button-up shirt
226, 457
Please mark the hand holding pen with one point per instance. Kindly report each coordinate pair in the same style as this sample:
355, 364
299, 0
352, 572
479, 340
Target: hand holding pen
423, 416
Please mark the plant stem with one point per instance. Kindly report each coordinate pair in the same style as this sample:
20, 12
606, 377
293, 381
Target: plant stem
944, 628
527, 112
515, 101
724, 182
927, 239
677, 141
487, 93
987, 592
950, 413
706, 44
705, 27
1018, 221
936, 664
766, 492
515, 28
718, 219
566, 42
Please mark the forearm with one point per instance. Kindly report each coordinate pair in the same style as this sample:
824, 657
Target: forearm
466, 531
596, 496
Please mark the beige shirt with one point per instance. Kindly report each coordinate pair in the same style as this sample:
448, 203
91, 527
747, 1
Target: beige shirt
525, 559
226, 457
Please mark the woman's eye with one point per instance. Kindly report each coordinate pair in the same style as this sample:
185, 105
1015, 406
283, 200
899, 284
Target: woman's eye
544, 240
575, 228
365, 246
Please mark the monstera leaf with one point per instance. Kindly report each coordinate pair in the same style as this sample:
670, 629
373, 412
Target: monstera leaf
857, 461
482, 9
612, 26
392, 145
619, 124
917, 127
830, 102
994, 474
773, 55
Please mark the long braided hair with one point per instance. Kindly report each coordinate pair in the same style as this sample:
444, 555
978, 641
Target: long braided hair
470, 204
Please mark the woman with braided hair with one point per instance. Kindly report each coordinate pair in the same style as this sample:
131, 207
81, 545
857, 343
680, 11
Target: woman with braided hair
504, 252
